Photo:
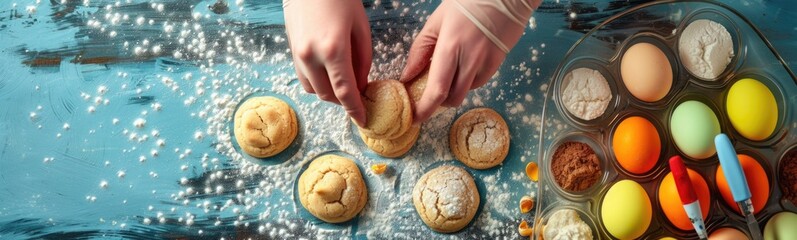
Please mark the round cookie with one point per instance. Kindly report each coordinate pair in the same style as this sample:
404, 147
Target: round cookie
332, 189
265, 126
446, 198
479, 138
393, 147
388, 110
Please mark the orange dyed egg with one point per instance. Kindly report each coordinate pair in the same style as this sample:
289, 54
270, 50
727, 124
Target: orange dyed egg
671, 202
756, 179
636, 144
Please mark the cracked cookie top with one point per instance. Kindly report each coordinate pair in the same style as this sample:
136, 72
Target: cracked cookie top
265, 126
332, 189
388, 110
480, 138
446, 198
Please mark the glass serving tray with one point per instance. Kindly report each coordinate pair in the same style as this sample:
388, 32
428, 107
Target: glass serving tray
601, 49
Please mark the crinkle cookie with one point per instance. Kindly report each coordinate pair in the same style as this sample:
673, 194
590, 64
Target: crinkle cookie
446, 198
332, 189
265, 126
480, 138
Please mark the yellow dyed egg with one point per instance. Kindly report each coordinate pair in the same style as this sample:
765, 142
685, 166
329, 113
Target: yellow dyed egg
752, 109
626, 211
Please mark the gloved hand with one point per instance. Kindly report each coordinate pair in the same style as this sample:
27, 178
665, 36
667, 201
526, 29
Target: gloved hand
331, 45
464, 42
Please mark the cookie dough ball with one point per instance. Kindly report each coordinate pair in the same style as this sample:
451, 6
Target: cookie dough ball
388, 110
332, 189
446, 198
480, 138
265, 126
393, 147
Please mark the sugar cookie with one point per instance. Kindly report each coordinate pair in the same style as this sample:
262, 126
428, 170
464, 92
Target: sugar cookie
265, 126
393, 147
332, 189
480, 138
446, 198
388, 110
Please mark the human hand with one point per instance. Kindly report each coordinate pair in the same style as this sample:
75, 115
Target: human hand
463, 43
331, 45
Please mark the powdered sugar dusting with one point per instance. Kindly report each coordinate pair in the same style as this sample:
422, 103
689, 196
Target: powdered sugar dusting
259, 192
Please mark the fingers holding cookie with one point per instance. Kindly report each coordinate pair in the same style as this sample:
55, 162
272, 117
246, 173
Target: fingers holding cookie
415, 89
388, 110
389, 131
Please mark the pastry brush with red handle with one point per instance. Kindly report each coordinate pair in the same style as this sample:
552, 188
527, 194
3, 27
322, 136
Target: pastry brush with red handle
688, 196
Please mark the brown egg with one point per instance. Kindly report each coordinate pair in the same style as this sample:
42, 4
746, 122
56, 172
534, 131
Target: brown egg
646, 72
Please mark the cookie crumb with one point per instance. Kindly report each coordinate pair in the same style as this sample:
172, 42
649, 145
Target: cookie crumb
379, 168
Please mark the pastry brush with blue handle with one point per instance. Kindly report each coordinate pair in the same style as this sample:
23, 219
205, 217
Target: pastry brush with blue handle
737, 182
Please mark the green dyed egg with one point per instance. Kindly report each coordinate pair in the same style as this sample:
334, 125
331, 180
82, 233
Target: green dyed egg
693, 126
782, 226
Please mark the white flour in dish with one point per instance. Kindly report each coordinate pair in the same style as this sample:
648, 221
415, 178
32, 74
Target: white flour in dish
566, 224
586, 93
706, 48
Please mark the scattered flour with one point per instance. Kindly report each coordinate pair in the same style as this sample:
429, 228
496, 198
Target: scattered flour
223, 187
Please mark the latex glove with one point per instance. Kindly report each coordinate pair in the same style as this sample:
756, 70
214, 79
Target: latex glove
331, 45
463, 43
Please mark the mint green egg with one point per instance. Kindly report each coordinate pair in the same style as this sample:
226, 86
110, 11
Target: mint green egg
781, 227
693, 126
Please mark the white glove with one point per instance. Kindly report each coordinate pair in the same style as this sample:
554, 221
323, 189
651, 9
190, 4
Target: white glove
463, 43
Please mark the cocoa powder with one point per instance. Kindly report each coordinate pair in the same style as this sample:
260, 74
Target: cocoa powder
575, 166
788, 176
